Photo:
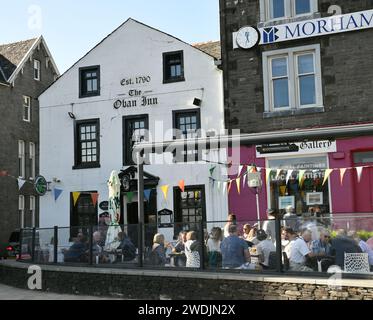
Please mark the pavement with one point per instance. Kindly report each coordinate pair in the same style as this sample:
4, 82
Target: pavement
10, 293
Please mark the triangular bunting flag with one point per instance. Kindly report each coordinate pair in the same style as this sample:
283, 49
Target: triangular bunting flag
76, 196
182, 185
288, 176
212, 170
130, 196
359, 171
278, 173
327, 174
229, 186
165, 191
147, 193
244, 179
224, 187
240, 167
57, 193
268, 172
342, 173
94, 197
238, 182
301, 175
21, 182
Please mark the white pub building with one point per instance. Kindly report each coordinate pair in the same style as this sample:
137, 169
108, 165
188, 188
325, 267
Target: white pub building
137, 84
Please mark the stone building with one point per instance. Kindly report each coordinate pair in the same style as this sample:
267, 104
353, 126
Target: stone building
301, 64
26, 70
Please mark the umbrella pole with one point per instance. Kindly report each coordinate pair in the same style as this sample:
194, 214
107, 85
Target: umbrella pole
140, 188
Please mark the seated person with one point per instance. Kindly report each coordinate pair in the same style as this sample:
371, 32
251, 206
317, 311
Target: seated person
180, 261
323, 250
126, 246
300, 252
157, 256
77, 252
264, 248
343, 244
235, 251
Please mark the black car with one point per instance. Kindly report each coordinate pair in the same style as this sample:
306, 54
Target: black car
11, 248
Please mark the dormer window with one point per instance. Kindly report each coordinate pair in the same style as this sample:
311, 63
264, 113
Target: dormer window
37, 70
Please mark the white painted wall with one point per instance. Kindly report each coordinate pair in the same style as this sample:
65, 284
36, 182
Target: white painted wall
132, 50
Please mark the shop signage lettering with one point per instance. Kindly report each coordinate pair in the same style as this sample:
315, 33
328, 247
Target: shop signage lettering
297, 148
311, 28
136, 80
139, 102
317, 27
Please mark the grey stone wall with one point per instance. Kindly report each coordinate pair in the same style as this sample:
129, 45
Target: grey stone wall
12, 129
185, 286
347, 72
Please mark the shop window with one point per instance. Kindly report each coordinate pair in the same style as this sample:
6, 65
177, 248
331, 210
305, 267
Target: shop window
292, 79
83, 213
363, 157
285, 187
173, 67
89, 81
87, 144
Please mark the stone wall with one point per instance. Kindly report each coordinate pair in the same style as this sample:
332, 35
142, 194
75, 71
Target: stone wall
155, 285
347, 72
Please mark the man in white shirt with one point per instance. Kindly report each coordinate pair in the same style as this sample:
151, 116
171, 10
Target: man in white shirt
300, 251
269, 226
264, 248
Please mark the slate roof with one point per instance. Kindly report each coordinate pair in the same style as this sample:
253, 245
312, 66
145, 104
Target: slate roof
11, 56
212, 48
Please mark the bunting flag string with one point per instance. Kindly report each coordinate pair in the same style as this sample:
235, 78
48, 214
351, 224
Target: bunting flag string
21, 183
328, 172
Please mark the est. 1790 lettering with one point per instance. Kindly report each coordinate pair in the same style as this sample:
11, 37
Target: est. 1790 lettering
137, 80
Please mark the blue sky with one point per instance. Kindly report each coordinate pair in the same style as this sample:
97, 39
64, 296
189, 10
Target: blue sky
73, 27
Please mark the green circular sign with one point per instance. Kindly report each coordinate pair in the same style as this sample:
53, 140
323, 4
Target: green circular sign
41, 185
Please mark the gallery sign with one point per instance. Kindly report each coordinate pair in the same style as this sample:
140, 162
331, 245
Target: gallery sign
303, 29
297, 148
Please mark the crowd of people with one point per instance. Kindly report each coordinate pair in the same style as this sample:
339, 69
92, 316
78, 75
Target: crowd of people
306, 245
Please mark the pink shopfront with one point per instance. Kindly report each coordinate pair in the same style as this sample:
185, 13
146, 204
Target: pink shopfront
297, 177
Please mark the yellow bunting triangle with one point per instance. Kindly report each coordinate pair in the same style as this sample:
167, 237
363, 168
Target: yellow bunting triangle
342, 173
268, 172
229, 186
327, 175
238, 182
301, 175
278, 173
76, 196
165, 190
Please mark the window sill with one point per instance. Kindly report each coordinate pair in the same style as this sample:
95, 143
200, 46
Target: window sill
276, 22
82, 96
174, 80
293, 112
87, 166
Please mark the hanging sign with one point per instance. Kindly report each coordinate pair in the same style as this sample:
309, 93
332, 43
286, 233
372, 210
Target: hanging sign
41, 185
303, 29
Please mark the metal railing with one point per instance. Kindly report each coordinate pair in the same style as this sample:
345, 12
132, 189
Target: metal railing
205, 250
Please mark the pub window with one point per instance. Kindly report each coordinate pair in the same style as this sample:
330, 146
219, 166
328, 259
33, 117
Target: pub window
21, 159
21, 209
135, 130
292, 78
32, 155
190, 208
32, 211
37, 70
83, 213
173, 67
87, 144
26, 110
89, 81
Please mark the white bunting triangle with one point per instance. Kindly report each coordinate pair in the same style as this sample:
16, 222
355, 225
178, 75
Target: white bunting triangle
359, 171
240, 170
21, 182
288, 176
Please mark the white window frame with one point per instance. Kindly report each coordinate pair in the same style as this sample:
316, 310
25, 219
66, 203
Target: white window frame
26, 105
32, 158
265, 13
37, 67
21, 159
32, 210
21, 208
294, 96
